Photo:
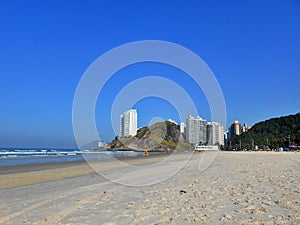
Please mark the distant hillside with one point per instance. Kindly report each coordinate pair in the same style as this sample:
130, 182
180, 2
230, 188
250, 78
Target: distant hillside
276, 132
160, 136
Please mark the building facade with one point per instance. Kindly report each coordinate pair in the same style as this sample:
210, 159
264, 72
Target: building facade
128, 123
226, 137
245, 128
235, 129
196, 130
215, 133
182, 128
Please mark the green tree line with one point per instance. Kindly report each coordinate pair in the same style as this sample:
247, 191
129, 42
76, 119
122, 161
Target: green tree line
274, 133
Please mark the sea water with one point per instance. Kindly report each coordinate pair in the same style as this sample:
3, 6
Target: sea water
11, 156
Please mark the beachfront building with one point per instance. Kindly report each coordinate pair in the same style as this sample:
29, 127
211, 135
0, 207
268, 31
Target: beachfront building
128, 123
235, 129
196, 130
182, 128
226, 137
245, 128
215, 133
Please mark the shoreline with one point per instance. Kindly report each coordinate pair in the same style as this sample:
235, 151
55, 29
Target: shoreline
12, 169
45, 159
237, 188
23, 168
18, 175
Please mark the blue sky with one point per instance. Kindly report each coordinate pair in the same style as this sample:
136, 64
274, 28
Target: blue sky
253, 48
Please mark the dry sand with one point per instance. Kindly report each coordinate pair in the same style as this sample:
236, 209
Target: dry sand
237, 188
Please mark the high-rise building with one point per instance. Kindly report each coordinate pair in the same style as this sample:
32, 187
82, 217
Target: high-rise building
215, 133
245, 128
226, 137
196, 130
128, 123
182, 128
235, 129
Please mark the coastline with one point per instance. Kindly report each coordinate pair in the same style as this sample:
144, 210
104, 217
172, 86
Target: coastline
237, 188
18, 175
12, 169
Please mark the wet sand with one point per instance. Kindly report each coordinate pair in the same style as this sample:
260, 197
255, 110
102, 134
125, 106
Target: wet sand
237, 188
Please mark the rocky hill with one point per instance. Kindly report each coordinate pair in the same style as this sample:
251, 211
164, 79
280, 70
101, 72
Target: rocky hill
162, 136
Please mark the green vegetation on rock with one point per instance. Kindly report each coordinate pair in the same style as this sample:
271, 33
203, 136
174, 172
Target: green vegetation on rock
275, 133
161, 136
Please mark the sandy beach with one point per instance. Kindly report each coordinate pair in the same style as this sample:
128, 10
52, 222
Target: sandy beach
237, 188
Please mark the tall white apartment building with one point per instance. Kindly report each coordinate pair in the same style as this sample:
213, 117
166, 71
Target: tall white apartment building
182, 128
196, 130
128, 123
215, 133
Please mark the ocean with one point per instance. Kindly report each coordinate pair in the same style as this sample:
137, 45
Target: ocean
25, 156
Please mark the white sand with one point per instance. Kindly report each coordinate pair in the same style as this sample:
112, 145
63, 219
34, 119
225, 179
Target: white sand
238, 188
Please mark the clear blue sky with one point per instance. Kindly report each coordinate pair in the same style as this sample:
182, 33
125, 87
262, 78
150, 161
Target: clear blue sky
253, 48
